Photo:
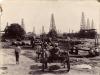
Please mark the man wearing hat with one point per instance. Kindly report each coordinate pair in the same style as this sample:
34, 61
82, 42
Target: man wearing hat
17, 53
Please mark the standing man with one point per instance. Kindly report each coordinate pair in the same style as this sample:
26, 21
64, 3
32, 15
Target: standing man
17, 53
38, 52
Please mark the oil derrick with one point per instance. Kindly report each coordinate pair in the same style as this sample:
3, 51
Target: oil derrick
33, 33
52, 23
88, 24
7, 25
43, 35
22, 24
58, 31
92, 24
43, 31
34, 30
72, 31
52, 32
69, 30
83, 23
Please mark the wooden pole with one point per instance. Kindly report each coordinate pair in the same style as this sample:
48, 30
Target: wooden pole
0, 24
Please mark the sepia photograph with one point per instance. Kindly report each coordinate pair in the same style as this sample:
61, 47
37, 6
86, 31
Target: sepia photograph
49, 37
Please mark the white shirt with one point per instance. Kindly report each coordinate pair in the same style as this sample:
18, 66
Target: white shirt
18, 49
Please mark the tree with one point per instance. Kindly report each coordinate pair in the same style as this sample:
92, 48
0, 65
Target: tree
98, 0
52, 34
91, 33
14, 31
65, 35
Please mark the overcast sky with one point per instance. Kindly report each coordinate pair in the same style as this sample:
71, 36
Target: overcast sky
67, 13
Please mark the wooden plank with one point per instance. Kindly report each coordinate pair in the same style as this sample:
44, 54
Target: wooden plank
83, 49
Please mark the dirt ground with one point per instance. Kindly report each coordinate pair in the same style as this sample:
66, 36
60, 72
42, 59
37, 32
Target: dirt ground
27, 66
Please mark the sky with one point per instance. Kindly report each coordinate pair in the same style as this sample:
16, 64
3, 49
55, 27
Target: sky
37, 13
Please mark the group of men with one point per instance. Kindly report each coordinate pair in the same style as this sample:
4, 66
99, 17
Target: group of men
52, 50
53, 54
